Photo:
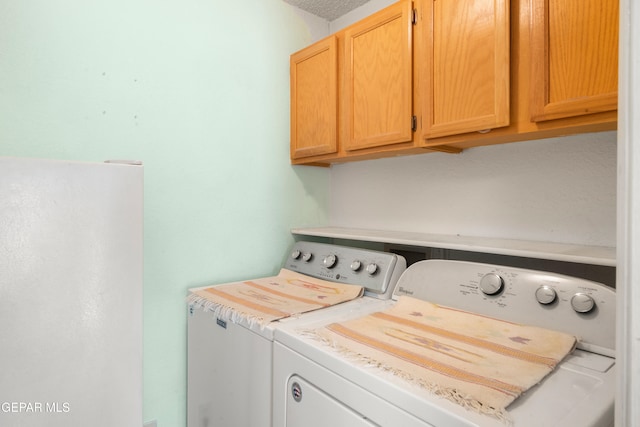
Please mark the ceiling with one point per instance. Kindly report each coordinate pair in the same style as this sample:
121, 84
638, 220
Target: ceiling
327, 9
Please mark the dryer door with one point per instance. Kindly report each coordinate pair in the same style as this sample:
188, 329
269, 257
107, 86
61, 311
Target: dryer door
309, 406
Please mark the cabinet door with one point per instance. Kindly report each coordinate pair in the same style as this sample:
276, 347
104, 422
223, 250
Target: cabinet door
574, 57
377, 87
465, 66
314, 105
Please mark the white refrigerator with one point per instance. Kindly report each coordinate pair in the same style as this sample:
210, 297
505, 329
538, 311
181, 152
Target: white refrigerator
71, 269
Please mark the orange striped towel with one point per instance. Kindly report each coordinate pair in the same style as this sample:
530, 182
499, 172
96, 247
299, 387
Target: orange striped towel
271, 298
479, 362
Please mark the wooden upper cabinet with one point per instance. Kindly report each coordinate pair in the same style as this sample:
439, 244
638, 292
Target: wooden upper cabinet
574, 57
314, 105
433, 75
465, 69
377, 103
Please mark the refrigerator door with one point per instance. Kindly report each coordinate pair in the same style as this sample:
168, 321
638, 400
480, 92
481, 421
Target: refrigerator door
70, 293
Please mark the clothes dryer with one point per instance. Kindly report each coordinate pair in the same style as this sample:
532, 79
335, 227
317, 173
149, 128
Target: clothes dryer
231, 326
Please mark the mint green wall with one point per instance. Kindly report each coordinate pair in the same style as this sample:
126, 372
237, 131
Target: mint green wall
197, 90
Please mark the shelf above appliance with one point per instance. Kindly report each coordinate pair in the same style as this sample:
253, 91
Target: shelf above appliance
583, 254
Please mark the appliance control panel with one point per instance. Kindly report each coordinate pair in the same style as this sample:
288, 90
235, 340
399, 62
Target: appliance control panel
576, 306
376, 271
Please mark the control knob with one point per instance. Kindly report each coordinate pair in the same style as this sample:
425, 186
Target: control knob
330, 261
372, 268
356, 265
582, 303
491, 284
295, 254
306, 257
545, 294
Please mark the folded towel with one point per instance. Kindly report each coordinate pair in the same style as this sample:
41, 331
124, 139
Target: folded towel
271, 298
479, 362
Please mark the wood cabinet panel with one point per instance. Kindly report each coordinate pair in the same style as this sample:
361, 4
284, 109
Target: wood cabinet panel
465, 66
523, 69
314, 105
574, 57
378, 79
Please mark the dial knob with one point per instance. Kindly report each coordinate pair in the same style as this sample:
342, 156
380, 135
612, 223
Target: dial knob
330, 261
545, 294
356, 265
491, 284
295, 254
306, 257
372, 268
582, 303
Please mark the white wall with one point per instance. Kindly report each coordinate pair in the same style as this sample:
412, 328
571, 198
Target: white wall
355, 15
318, 27
560, 190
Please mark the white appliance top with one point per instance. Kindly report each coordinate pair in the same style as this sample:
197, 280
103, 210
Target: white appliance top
580, 391
377, 272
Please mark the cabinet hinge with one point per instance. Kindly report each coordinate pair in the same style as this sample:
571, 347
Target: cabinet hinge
414, 123
414, 16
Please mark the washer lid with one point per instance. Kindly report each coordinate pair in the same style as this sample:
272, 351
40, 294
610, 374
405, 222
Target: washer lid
580, 391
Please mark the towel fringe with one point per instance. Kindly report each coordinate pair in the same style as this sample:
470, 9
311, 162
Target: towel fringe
451, 394
225, 312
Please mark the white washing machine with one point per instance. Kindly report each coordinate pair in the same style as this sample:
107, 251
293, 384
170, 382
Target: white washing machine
230, 357
316, 385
